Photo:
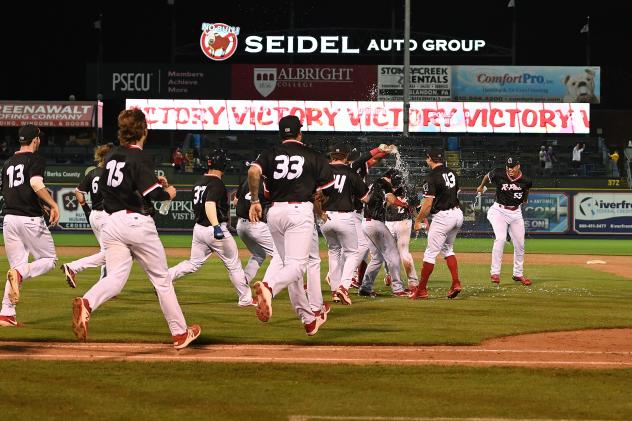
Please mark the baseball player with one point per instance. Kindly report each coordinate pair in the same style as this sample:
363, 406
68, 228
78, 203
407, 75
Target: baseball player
440, 200
339, 226
399, 223
293, 172
94, 215
127, 183
505, 215
24, 230
361, 164
381, 243
256, 236
210, 233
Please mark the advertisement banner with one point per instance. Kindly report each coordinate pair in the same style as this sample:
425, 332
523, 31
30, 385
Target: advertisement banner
366, 116
303, 81
544, 213
427, 83
142, 80
603, 213
527, 83
48, 113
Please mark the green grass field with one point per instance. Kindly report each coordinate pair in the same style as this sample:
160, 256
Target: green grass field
562, 297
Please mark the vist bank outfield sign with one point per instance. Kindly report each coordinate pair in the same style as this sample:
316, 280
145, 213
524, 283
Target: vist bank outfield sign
364, 116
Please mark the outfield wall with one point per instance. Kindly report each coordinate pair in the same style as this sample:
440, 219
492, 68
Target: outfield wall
567, 212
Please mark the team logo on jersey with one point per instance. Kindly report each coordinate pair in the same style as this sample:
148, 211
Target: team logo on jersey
70, 201
218, 41
265, 80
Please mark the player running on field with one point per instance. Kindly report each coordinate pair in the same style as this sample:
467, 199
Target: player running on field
505, 215
210, 233
293, 172
339, 226
440, 200
95, 216
381, 243
24, 229
128, 184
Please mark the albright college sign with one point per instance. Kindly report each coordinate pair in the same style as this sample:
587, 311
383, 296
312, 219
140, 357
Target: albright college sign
366, 116
219, 42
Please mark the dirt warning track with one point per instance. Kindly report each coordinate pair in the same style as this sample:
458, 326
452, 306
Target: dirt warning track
596, 349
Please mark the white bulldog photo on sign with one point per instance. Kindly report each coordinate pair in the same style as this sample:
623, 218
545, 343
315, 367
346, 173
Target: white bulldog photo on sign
581, 87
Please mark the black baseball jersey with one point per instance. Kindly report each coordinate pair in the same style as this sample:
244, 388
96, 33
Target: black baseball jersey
376, 208
90, 184
210, 188
347, 186
293, 172
19, 197
396, 213
361, 167
509, 192
243, 200
128, 177
443, 186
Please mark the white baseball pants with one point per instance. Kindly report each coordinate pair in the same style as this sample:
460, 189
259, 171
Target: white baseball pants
401, 232
504, 220
342, 244
127, 236
363, 242
292, 229
314, 290
202, 245
256, 236
383, 250
443, 230
97, 218
24, 235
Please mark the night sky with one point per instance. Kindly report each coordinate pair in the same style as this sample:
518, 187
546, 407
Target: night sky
46, 46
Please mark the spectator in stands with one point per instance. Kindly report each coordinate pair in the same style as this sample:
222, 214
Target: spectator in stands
576, 161
549, 159
4, 151
542, 156
614, 164
178, 160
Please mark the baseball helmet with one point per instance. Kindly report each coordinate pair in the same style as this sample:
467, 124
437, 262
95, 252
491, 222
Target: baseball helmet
217, 160
395, 175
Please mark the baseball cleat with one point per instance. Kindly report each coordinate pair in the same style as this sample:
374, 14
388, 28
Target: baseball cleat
312, 328
406, 293
80, 318
454, 290
523, 280
334, 297
324, 311
8, 321
183, 340
264, 301
252, 303
388, 280
364, 293
343, 295
15, 281
495, 279
354, 283
70, 276
419, 294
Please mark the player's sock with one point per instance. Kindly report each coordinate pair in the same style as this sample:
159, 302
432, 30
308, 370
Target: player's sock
426, 271
361, 270
454, 269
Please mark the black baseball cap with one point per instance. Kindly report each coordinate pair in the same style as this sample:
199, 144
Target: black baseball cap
290, 125
339, 148
511, 162
353, 154
28, 132
436, 154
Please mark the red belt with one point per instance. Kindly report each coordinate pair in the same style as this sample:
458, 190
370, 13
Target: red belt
511, 208
289, 203
367, 219
130, 211
339, 211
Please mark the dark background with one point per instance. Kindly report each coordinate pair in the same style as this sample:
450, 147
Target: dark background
46, 46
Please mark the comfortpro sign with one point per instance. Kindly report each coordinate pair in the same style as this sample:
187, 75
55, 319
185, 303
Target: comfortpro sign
360, 116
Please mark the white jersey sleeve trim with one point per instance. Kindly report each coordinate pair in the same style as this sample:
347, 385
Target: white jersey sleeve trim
150, 189
326, 186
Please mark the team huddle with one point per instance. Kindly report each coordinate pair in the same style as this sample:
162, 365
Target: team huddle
291, 193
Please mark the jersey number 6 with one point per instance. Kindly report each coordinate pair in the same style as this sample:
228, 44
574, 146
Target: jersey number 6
288, 166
